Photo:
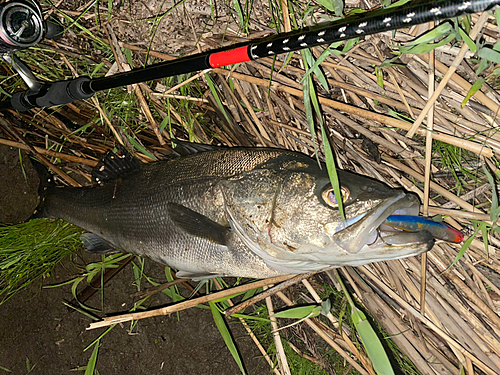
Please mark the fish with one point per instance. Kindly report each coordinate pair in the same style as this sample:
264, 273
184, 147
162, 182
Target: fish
210, 211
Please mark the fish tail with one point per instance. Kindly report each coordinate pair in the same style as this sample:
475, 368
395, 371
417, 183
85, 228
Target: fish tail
47, 183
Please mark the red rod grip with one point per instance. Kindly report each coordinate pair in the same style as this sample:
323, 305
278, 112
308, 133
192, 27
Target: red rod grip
234, 56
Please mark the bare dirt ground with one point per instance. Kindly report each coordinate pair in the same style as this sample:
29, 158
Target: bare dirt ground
40, 335
37, 331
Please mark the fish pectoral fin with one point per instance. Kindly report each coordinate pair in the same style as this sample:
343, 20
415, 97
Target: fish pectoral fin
196, 276
197, 224
96, 245
115, 165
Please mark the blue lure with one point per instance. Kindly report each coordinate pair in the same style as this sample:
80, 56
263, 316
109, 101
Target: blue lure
438, 230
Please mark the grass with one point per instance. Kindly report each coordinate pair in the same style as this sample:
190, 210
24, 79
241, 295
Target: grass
298, 339
298, 364
311, 123
31, 250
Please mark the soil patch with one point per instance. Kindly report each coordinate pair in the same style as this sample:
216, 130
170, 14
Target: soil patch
37, 328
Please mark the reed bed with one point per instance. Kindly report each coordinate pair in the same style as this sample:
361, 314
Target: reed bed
442, 309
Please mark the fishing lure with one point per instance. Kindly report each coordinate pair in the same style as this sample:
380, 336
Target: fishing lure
438, 230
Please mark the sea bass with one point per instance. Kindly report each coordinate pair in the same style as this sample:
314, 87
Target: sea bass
248, 212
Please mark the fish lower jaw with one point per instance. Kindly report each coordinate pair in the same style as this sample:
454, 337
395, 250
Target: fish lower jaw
354, 237
396, 245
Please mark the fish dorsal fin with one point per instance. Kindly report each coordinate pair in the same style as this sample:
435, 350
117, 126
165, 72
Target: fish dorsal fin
184, 148
197, 224
115, 165
96, 245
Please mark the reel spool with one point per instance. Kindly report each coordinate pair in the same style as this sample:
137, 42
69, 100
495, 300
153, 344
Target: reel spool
21, 25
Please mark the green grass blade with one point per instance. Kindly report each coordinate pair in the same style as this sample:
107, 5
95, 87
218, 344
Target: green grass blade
369, 338
445, 33
173, 291
30, 250
436, 33
374, 348
328, 4
474, 88
251, 293
489, 54
299, 312
306, 88
97, 340
310, 102
213, 89
329, 158
470, 43
332, 172
140, 147
250, 317
226, 335
90, 368
82, 311
380, 76
314, 67
398, 3
494, 210
228, 297
426, 47
21, 164
239, 11
484, 231
463, 249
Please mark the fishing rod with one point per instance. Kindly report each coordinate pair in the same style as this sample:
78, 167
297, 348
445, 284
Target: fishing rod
64, 92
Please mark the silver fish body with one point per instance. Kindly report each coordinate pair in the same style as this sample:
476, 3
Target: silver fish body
249, 212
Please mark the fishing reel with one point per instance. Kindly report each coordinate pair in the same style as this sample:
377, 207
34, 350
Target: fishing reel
22, 26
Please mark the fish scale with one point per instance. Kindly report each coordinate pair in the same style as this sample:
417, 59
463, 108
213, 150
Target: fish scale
252, 212
131, 213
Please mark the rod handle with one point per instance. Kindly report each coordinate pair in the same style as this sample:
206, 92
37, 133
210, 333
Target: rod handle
58, 93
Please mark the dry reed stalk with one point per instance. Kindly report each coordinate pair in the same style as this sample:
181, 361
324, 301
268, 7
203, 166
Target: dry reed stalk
438, 189
386, 120
40, 157
261, 131
252, 335
466, 86
461, 214
94, 100
473, 34
107, 321
392, 74
328, 339
397, 123
282, 360
280, 121
495, 319
444, 315
436, 326
427, 174
54, 154
403, 337
122, 62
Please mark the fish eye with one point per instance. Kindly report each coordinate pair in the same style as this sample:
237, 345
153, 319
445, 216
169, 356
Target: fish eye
328, 196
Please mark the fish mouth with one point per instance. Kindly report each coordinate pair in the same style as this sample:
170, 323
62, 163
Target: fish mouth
369, 234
